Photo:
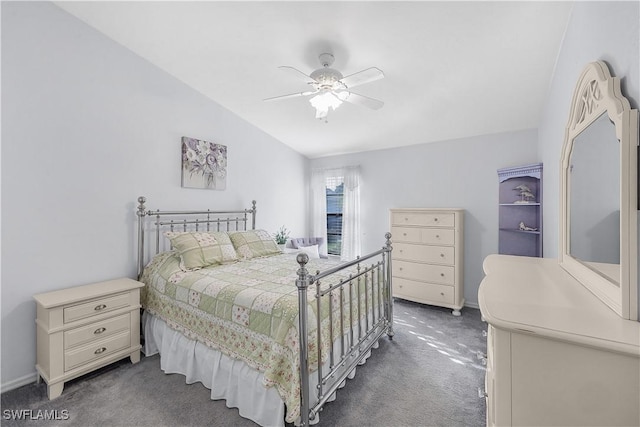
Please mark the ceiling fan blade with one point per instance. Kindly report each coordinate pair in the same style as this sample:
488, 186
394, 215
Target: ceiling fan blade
291, 95
297, 74
362, 77
362, 100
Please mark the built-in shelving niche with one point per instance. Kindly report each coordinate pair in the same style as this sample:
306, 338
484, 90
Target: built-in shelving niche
520, 210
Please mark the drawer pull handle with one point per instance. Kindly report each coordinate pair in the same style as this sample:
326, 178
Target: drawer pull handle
100, 307
441, 255
100, 350
441, 274
435, 219
404, 234
437, 236
442, 293
406, 219
400, 268
99, 331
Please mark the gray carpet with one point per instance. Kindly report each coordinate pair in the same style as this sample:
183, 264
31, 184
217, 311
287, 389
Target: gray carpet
428, 375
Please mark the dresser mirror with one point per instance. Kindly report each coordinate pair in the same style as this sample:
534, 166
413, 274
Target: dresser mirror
599, 191
594, 195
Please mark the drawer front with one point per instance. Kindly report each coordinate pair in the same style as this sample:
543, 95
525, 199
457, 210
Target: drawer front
96, 350
96, 331
431, 219
434, 254
432, 236
425, 272
95, 307
423, 292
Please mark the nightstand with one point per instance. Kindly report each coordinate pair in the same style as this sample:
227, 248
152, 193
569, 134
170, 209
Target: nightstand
84, 328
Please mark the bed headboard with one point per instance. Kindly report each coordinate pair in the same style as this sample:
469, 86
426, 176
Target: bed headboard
155, 223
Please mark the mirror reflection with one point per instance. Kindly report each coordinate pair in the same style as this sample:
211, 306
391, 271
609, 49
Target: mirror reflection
594, 198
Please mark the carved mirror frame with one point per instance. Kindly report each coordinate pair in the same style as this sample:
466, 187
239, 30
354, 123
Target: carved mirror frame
598, 92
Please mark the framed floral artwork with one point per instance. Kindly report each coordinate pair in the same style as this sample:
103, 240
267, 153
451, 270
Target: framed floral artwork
204, 164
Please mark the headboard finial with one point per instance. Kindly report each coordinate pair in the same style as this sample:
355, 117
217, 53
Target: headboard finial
253, 216
141, 207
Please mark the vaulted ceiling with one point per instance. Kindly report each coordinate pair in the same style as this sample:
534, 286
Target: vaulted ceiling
452, 69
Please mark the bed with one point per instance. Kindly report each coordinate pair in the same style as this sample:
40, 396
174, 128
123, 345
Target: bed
274, 334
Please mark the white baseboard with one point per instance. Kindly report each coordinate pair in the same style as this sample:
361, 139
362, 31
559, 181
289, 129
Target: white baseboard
471, 304
18, 382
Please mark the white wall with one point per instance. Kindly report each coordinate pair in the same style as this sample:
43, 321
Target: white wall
450, 174
87, 127
607, 31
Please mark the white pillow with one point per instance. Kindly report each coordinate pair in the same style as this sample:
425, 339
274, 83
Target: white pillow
312, 251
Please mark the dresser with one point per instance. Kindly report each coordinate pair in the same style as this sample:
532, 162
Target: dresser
83, 328
555, 354
427, 257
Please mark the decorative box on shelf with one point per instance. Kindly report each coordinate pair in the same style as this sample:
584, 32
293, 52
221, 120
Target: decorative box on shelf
84, 328
520, 210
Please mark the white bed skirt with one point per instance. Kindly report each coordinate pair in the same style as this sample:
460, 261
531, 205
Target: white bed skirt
232, 380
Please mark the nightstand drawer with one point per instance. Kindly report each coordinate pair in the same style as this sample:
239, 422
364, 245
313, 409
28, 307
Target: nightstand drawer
423, 292
432, 236
431, 219
424, 253
95, 307
96, 330
96, 350
424, 272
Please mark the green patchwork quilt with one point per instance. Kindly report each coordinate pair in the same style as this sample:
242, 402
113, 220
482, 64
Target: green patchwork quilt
248, 310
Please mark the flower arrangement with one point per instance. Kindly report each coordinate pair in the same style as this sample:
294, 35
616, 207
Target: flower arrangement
206, 160
281, 236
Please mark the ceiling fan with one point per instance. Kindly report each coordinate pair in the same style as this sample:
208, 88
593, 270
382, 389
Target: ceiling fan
331, 88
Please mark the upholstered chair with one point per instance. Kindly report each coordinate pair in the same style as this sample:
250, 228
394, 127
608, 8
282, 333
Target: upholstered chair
298, 242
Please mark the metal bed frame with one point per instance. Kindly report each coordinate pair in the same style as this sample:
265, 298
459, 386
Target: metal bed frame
373, 281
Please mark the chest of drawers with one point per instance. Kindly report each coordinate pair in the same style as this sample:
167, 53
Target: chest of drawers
427, 256
83, 328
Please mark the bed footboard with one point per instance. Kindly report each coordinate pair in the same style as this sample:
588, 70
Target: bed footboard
365, 310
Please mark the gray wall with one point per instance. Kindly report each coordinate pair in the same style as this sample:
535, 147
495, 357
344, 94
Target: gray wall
607, 31
450, 174
87, 127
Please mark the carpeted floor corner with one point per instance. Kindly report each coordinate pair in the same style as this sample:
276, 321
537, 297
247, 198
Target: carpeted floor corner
428, 375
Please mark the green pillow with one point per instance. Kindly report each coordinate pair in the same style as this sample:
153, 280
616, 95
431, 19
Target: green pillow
254, 243
202, 249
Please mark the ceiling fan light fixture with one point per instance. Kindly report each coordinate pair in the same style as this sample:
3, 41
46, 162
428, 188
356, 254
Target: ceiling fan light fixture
323, 102
331, 88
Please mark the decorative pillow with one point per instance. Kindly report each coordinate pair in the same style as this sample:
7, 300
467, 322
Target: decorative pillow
228, 251
311, 251
254, 243
201, 249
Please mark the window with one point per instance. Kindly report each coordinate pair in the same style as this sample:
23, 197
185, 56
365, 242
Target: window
335, 208
335, 199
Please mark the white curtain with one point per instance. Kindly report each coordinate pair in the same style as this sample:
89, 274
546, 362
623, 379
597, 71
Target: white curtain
319, 207
350, 209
